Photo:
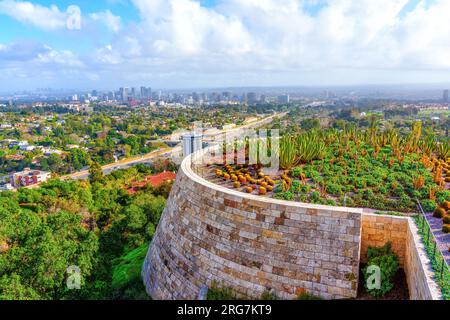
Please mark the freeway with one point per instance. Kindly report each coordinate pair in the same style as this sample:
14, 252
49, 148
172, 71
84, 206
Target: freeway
129, 162
124, 163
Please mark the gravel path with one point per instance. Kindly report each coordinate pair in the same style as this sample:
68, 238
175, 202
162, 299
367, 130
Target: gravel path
442, 238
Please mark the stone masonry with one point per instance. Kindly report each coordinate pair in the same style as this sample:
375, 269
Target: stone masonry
406, 243
252, 244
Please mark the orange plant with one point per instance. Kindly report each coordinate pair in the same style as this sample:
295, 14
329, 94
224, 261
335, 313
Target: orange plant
419, 182
432, 193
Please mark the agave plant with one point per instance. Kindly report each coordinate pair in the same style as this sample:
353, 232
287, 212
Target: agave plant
287, 153
427, 145
443, 150
310, 147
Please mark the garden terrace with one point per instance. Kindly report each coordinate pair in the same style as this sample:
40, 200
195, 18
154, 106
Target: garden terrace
344, 169
210, 233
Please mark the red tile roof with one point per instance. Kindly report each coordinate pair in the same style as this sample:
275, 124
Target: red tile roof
160, 178
154, 180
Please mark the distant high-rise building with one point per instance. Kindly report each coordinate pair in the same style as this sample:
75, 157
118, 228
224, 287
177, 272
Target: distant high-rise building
94, 93
195, 97
251, 98
445, 96
263, 99
226, 96
133, 93
124, 93
144, 93
284, 98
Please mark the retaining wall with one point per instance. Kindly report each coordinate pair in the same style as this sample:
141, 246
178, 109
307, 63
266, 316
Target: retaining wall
209, 233
406, 243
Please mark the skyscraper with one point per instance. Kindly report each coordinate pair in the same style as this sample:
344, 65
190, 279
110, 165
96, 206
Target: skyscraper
124, 93
144, 93
251, 97
284, 98
445, 96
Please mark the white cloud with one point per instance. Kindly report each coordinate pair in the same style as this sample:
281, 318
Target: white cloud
271, 40
47, 18
114, 23
52, 18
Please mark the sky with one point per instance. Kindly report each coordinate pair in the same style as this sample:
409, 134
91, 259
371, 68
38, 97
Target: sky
106, 44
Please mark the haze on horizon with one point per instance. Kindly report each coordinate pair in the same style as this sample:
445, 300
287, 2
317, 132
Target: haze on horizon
222, 43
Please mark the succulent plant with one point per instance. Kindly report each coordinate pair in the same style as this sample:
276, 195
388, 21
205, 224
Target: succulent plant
446, 228
439, 212
446, 205
243, 180
446, 219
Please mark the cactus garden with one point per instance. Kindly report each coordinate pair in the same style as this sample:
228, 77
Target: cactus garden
372, 168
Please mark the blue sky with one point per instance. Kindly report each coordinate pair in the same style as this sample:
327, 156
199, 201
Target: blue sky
184, 43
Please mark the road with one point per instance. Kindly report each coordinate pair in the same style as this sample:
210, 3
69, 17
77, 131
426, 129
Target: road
124, 163
129, 162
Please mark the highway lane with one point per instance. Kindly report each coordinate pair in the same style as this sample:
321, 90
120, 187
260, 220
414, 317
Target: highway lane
147, 158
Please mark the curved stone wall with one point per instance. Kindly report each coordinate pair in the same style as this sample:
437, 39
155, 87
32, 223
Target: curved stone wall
210, 233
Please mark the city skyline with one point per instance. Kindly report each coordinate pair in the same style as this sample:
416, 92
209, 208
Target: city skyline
81, 44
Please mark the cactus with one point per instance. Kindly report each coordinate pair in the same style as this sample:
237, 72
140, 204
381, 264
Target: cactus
446, 219
446, 205
438, 212
446, 228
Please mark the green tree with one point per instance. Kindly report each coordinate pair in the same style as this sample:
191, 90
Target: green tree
95, 172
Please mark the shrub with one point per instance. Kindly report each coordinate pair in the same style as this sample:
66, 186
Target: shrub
296, 172
288, 195
368, 194
278, 189
334, 189
399, 191
307, 296
428, 205
382, 189
447, 219
305, 189
268, 295
296, 186
388, 263
360, 183
216, 292
442, 195
315, 196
